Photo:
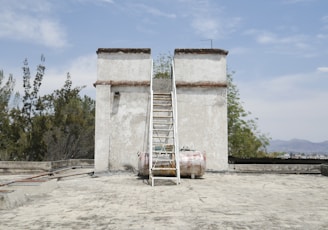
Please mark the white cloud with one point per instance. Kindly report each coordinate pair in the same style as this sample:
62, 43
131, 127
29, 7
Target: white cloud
20, 22
150, 10
297, 1
97, 2
289, 104
107, 1
83, 72
266, 37
322, 69
208, 19
286, 44
206, 27
325, 19
238, 51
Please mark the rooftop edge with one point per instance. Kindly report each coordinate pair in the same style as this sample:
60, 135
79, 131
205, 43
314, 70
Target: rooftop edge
201, 51
124, 50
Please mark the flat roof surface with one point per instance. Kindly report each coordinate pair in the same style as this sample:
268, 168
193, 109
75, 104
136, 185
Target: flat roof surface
217, 201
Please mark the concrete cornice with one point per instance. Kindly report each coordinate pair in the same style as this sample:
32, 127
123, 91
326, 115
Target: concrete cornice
201, 51
124, 50
122, 83
202, 84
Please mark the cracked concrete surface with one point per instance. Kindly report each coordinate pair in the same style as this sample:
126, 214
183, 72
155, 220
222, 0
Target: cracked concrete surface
217, 201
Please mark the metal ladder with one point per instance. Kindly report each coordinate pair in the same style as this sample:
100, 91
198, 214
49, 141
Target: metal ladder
164, 162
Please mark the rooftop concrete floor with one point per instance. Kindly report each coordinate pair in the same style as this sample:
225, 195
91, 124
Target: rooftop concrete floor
218, 201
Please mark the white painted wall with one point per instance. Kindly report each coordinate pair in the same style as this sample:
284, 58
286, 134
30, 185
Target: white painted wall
129, 126
202, 124
124, 66
200, 67
121, 121
102, 140
202, 112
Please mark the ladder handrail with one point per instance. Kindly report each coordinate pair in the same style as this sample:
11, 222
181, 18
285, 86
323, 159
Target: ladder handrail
175, 119
150, 151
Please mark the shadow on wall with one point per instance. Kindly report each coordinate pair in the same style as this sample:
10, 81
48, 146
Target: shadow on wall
116, 102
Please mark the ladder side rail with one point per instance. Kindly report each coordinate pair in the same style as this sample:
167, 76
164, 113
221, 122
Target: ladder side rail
175, 123
150, 151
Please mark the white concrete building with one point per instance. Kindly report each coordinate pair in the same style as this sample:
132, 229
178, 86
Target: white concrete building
122, 92
202, 108
122, 105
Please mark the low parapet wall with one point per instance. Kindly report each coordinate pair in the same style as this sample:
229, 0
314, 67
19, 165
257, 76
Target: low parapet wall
276, 168
17, 167
9, 167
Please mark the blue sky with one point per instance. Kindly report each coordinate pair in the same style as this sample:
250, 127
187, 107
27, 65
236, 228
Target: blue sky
277, 48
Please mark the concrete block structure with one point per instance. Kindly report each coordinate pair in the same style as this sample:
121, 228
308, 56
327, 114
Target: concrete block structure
202, 108
122, 97
123, 104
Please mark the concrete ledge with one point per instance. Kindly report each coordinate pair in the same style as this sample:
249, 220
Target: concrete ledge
72, 163
20, 167
202, 84
24, 166
201, 51
324, 169
122, 83
275, 168
124, 50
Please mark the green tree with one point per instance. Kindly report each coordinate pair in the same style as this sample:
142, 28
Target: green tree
162, 66
55, 126
6, 94
244, 139
28, 124
72, 124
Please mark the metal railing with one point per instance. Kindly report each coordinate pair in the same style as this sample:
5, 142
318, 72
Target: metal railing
175, 122
150, 151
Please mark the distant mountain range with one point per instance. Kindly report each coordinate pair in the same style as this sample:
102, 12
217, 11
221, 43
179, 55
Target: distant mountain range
298, 146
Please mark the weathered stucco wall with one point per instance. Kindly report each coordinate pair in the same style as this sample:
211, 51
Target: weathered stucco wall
202, 106
121, 107
128, 126
200, 65
124, 64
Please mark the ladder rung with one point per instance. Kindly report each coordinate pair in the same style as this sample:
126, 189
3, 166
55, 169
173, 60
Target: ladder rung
163, 104
161, 93
162, 110
162, 117
162, 129
162, 152
163, 163
160, 143
162, 136
162, 99
163, 169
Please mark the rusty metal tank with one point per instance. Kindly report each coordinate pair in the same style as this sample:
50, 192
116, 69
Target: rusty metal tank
192, 164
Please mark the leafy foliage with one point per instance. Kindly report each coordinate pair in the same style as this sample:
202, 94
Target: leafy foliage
162, 66
72, 132
56, 126
6, 91
244, 139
